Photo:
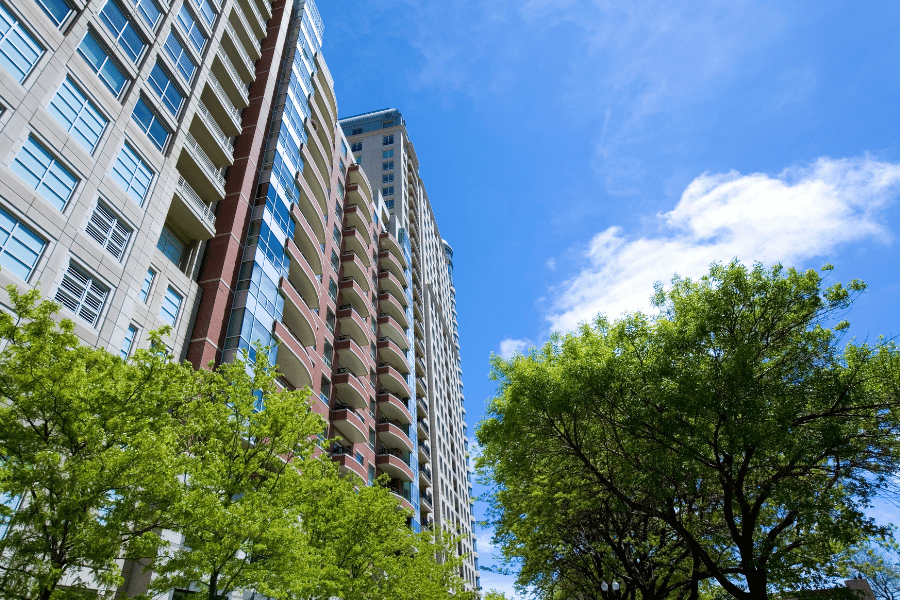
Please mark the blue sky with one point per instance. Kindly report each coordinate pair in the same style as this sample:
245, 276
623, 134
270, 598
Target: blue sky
576, 151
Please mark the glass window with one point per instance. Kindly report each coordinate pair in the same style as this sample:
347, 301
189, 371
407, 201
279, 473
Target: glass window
82, 294
336, 235
332, 289
170, 246
132, 173
387, 166
387, 140
101, 63
121, 28
150, 124
328, 353
329, 320
128, 342
78, 115
190, 28
148, 283
166, 90
343, 147
109, 231
19, 51
356, 147
342, 168
387, 154
44, 173
335, 261
57, 10
387, 178
170, 307
388, 191
148, 11
181, 59
356, 131
20, 247
207, 12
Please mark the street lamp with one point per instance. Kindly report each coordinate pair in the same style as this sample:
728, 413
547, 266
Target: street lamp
610, 591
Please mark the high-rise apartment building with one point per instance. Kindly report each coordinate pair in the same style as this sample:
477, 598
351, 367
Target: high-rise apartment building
181, 164
381, 146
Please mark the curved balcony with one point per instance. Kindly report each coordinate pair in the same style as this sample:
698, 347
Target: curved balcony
349, 425
392, 380
353, 267
346, 459
353, 217
355, 240
306, 207
301, 275
418, 329
392, 354
293, 362
424, 476
391, 328
387, 282
417, 311
394, 434
356, 176
424, 452
388, 304
420, 347
324, 130
353, 325
318, 99
389, 262
314, 180
352, 357
324, 79
394, 407
307, 242
351, 390
421, 386
357, 197
318, 152
395, 466
423, 429
352, 293
388, 242
420, 367
297, 316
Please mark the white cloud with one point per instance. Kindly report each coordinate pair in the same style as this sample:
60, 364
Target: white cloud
800, 214
510, 347
551, 264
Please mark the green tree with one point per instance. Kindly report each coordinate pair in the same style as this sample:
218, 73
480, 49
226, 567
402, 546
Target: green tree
249, 446
733, 417
86, 452
878, 563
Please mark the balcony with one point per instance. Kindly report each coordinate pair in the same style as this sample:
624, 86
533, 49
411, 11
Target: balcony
192, 213
218, 103
394, 407
326, 83
426, 502
389, 262
350, 390
420, 367
356, 197
245, 33
356, 176
318, 125
424, 452
395, 434
301, 275
424, 431
389, 305
350, 425
352, 357
353, 267
196, 167
394, 464
314, 180
420, 347
297, 316
417, 311
389, 242
307, 242
387, 282
215, 143
419, 330
347, 459
251, 11
353, 218
244, 62
392, 354
422, 406
355, 240
391, 328
421, 386
353, 324
393, 380
307, 207
327, 113
352, 293
293, 362
228, 76
424, 476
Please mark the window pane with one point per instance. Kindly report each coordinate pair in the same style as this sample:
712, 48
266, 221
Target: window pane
19, 52
184, 62
128, 342
170, 246
122, 29
148, 11
78, 115
102, 64
164, 88
206, 11
170, 307
20, 247
133, 174
57, 10
144, 116
148, 283
190, 28
44, 173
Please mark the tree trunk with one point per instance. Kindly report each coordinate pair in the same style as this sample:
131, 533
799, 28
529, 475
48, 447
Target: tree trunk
213, 586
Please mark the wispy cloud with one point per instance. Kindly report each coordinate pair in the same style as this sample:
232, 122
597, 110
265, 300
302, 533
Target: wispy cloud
802, 213
510, 347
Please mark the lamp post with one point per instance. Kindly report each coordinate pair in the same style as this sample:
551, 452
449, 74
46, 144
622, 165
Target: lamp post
610, 591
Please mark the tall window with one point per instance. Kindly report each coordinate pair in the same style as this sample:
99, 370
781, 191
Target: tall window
388, 191
170, 246
121, 28
150, 124
109, 231
332, 289
343, 147
387, 166
166, 90
78, 115
19, 51
181, 59
170, 307
44, 173
128, 342
82, 294
148, 11
147, 285
57, 10
101, 64
133, 174
190, 28
356, 147
328, 354
207, 12
387, 140
387, 178
20, 247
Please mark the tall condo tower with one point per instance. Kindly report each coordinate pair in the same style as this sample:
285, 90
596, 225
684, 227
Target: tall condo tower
381, 146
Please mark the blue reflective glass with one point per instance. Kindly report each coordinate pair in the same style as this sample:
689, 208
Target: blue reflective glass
181, 59
44, 173
121, 28
144, 116
166, 90
100, 62
57, 10
133, 174
78, 115
19, 51
20, 247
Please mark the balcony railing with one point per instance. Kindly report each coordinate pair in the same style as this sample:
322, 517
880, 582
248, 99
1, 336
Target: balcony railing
226, 142
194, 201
233, 113
401, 426
425, 449
236, 40
235, 77
204, 161
424, 425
